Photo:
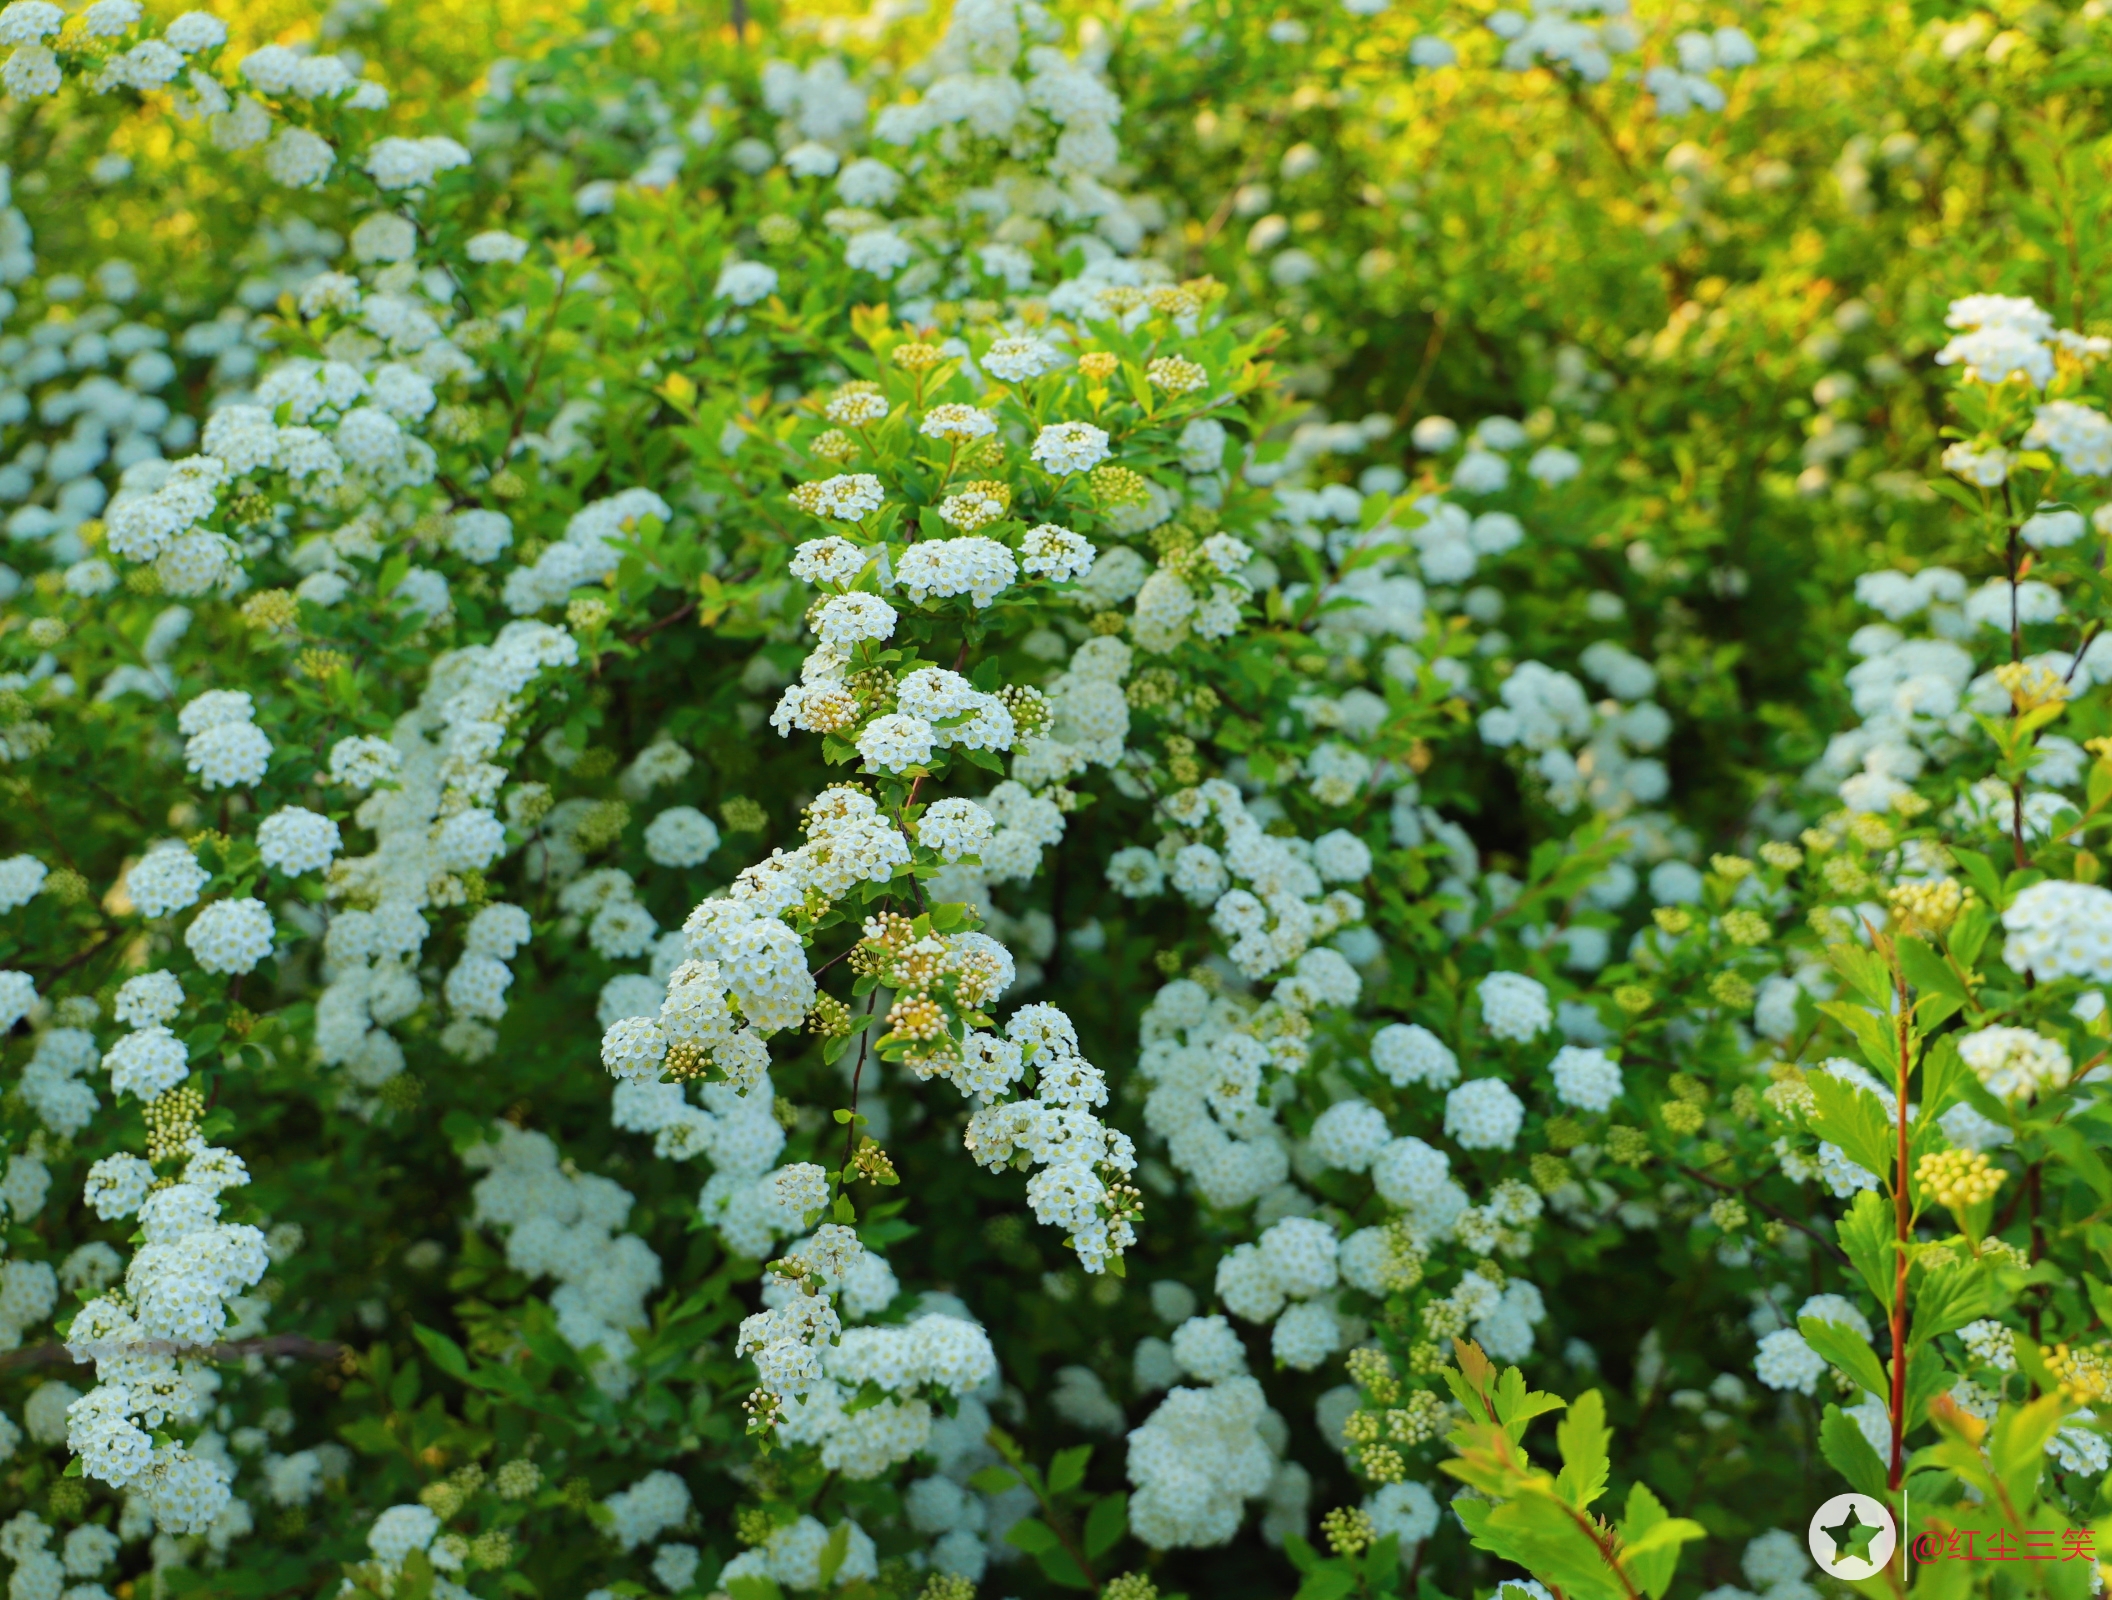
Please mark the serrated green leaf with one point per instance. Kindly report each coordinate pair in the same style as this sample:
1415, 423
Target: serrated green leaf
1842, 1443
1928, 971
1583, 1437
1941, 1072
2016, 1446
1517, 1404
1946, 1301
1841, 1346
1865, 1233
1853, 1118
1928, 1375
1302, 1556
1866, 973
1650, 1557
1540, 1534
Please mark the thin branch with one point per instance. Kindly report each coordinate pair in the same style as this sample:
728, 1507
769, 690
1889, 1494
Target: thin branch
297, 1345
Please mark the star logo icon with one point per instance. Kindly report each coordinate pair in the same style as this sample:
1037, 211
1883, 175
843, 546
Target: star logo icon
1852, 1536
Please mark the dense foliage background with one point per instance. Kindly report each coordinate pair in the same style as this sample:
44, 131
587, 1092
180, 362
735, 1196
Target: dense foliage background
930, 804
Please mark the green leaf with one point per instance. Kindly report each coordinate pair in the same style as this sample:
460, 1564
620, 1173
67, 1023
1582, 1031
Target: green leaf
1382, 1560
1517, 1405
1866, 973
1942, 1071
1852, 1118
1952, 489
1540, 1534
1644, 1513
1032, 1535
833, 1552
1651, 1541
1928, 1376
2016, 1447
1947, 1300
1582, 1437
1329, 1583
1873, 1032
464, 1132
2069, 1143
1931, 974
1067, 1469
1061, 1567
1105, 1524
993, 1480
2100, 1294
1969, 933
1842, 1443
445, 1353
1843, 1347
1866, 1235
1981, 873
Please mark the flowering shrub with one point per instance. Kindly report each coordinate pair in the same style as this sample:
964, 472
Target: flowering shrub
781, 814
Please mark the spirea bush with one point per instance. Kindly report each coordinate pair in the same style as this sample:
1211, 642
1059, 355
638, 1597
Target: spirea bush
1043, 800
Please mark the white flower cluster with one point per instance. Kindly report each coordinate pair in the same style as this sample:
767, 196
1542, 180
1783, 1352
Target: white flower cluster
794, 1555
932, 1354
224, 745
1090, 722
1686, 86
936, 709
1786, 1361
1209, 1057
1287, 1275
746, 974
569, 1226
2060, 930
1268, 896
1059, 122
2004, 338
1919, 696
1056, 1131
1500, 1319
433, 825
2015, 1063
1584, 751
588, 553
1198, 1459
395, 1536
183, 1291
1197, 593
29, 1289
51, 1085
